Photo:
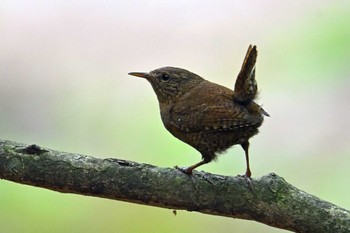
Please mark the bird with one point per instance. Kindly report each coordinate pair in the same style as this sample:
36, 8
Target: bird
207, 116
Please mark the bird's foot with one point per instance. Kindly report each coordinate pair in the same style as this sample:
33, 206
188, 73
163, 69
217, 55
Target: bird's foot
186, 170
248, 180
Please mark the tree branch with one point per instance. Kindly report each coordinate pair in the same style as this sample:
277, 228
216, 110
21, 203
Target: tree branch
271, 201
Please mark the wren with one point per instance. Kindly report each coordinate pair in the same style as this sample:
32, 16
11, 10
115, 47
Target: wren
207, 116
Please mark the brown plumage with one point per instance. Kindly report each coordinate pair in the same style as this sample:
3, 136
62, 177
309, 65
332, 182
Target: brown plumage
209, 117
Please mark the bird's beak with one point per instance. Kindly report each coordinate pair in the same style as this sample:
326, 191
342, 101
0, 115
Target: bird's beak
140, 74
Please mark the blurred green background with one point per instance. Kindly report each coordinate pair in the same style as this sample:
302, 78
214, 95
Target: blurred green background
64, 85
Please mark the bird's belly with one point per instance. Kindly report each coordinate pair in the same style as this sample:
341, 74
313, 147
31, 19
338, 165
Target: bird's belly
217, 142
211, 141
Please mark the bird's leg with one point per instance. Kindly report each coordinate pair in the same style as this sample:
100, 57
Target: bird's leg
188, 170
248, 173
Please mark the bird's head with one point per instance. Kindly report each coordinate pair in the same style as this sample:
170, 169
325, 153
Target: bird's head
169, 82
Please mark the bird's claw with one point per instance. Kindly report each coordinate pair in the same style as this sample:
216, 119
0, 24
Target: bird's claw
185, 170
248, 180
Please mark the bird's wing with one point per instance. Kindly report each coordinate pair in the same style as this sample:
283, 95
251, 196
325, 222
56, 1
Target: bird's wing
223, 116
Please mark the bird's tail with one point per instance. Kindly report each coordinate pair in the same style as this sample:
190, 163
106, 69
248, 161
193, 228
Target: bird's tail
246, 86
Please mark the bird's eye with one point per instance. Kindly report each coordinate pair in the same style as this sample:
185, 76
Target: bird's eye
165, 77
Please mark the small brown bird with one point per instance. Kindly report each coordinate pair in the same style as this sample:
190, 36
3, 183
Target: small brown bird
209, 117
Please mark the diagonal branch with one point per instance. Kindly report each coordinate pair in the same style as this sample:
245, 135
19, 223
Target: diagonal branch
272, 201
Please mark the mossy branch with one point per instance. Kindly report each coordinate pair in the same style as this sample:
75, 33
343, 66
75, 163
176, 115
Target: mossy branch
272, 200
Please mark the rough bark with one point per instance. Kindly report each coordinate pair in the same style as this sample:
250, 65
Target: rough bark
272, 200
